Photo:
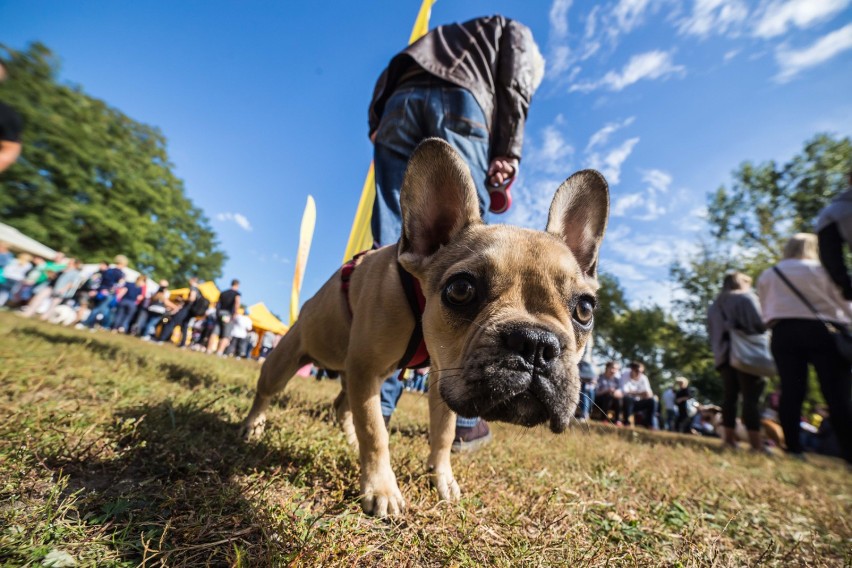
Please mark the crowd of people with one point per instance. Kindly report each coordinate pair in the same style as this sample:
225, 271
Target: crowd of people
59, 291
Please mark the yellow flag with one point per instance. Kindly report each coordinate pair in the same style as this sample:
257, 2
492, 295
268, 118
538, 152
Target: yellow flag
306, 234
361, 236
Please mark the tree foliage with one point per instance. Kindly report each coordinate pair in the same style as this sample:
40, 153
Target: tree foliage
93, 182
767, 203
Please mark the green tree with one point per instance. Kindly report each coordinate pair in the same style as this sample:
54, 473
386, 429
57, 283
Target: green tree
766, 203
93, 182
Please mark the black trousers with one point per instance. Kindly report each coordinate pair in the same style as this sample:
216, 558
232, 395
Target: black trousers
736, 383
182, 319
796, 343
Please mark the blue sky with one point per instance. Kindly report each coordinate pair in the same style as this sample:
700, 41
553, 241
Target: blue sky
266, 102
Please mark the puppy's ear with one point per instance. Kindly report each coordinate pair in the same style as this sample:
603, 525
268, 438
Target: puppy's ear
438, 200
578, 215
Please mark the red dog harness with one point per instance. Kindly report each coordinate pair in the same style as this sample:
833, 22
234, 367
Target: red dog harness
416, 355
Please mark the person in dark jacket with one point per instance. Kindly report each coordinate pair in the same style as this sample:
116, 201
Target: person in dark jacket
469, 84
834, 227
736, 307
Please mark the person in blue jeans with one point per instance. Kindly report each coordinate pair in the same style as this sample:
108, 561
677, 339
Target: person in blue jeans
469, 84
105, 295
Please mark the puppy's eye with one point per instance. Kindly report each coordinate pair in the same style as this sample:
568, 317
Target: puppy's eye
460, 291
584, 311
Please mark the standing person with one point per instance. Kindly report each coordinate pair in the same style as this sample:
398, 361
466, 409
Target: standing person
226, 309
834, 227
105, 293
182, 317
607, 395
636, 394
588, 382
667, 399
470, 84
267, 342
14, 274
132, 295
239, 333
683, 395
11, 128
158, 306
142, 316
5, 256
736, 307
800, 339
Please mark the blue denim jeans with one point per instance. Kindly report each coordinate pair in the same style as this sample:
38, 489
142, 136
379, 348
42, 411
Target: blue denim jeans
587, 398
103, 309
418, 110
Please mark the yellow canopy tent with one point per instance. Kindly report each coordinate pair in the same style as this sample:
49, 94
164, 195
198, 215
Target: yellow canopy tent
263, 319
208, 290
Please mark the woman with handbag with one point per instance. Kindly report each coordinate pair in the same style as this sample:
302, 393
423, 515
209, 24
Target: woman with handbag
735, 315
807, 314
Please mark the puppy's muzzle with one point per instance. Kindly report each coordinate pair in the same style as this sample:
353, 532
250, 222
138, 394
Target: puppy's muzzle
518, 374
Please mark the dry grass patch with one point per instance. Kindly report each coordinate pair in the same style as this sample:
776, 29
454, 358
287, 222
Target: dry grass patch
118, 453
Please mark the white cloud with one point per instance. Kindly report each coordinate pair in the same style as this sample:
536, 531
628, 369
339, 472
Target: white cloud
237, 218
731, 54
779, 15
602, 136
625, 203
531, 202
559, 55
610, 163
658, 180
553, 155
644, 205
792, 62
713, 16
649, 65
628, 13
559, 18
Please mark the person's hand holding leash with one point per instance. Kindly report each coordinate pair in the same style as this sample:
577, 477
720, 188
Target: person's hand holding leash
501, 175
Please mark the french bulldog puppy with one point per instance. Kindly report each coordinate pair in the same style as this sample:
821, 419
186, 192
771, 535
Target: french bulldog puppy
508, 312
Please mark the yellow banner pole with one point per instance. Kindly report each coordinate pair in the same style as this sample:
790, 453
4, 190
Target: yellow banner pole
361, 235
306, 235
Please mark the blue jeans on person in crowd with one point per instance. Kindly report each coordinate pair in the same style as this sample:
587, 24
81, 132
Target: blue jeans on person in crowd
587, 398
420, 109
151, 322
103, 308
392, 390
124, 314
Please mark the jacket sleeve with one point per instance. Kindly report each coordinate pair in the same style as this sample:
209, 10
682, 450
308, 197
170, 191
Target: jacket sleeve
831, 256
520, 68
374, 115
748, 312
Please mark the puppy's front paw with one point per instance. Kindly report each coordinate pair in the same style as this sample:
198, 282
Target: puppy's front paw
252, 428
444, 482
380, 496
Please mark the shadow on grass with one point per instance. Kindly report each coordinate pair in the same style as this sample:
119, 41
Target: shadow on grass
176, 485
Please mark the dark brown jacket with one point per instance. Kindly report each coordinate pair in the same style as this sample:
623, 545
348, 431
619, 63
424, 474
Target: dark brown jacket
495, 58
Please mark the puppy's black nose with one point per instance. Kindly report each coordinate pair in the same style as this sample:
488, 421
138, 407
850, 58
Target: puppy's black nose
537, 346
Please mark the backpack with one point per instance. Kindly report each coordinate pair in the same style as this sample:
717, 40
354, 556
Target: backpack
199, 306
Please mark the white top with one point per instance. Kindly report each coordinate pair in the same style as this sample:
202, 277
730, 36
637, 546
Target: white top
634, 387
16, 270
242, 325
777, 301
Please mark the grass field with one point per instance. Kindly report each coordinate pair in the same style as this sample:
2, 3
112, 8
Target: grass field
118, 453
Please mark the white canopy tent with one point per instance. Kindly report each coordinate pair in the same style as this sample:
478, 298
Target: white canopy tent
19, 242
